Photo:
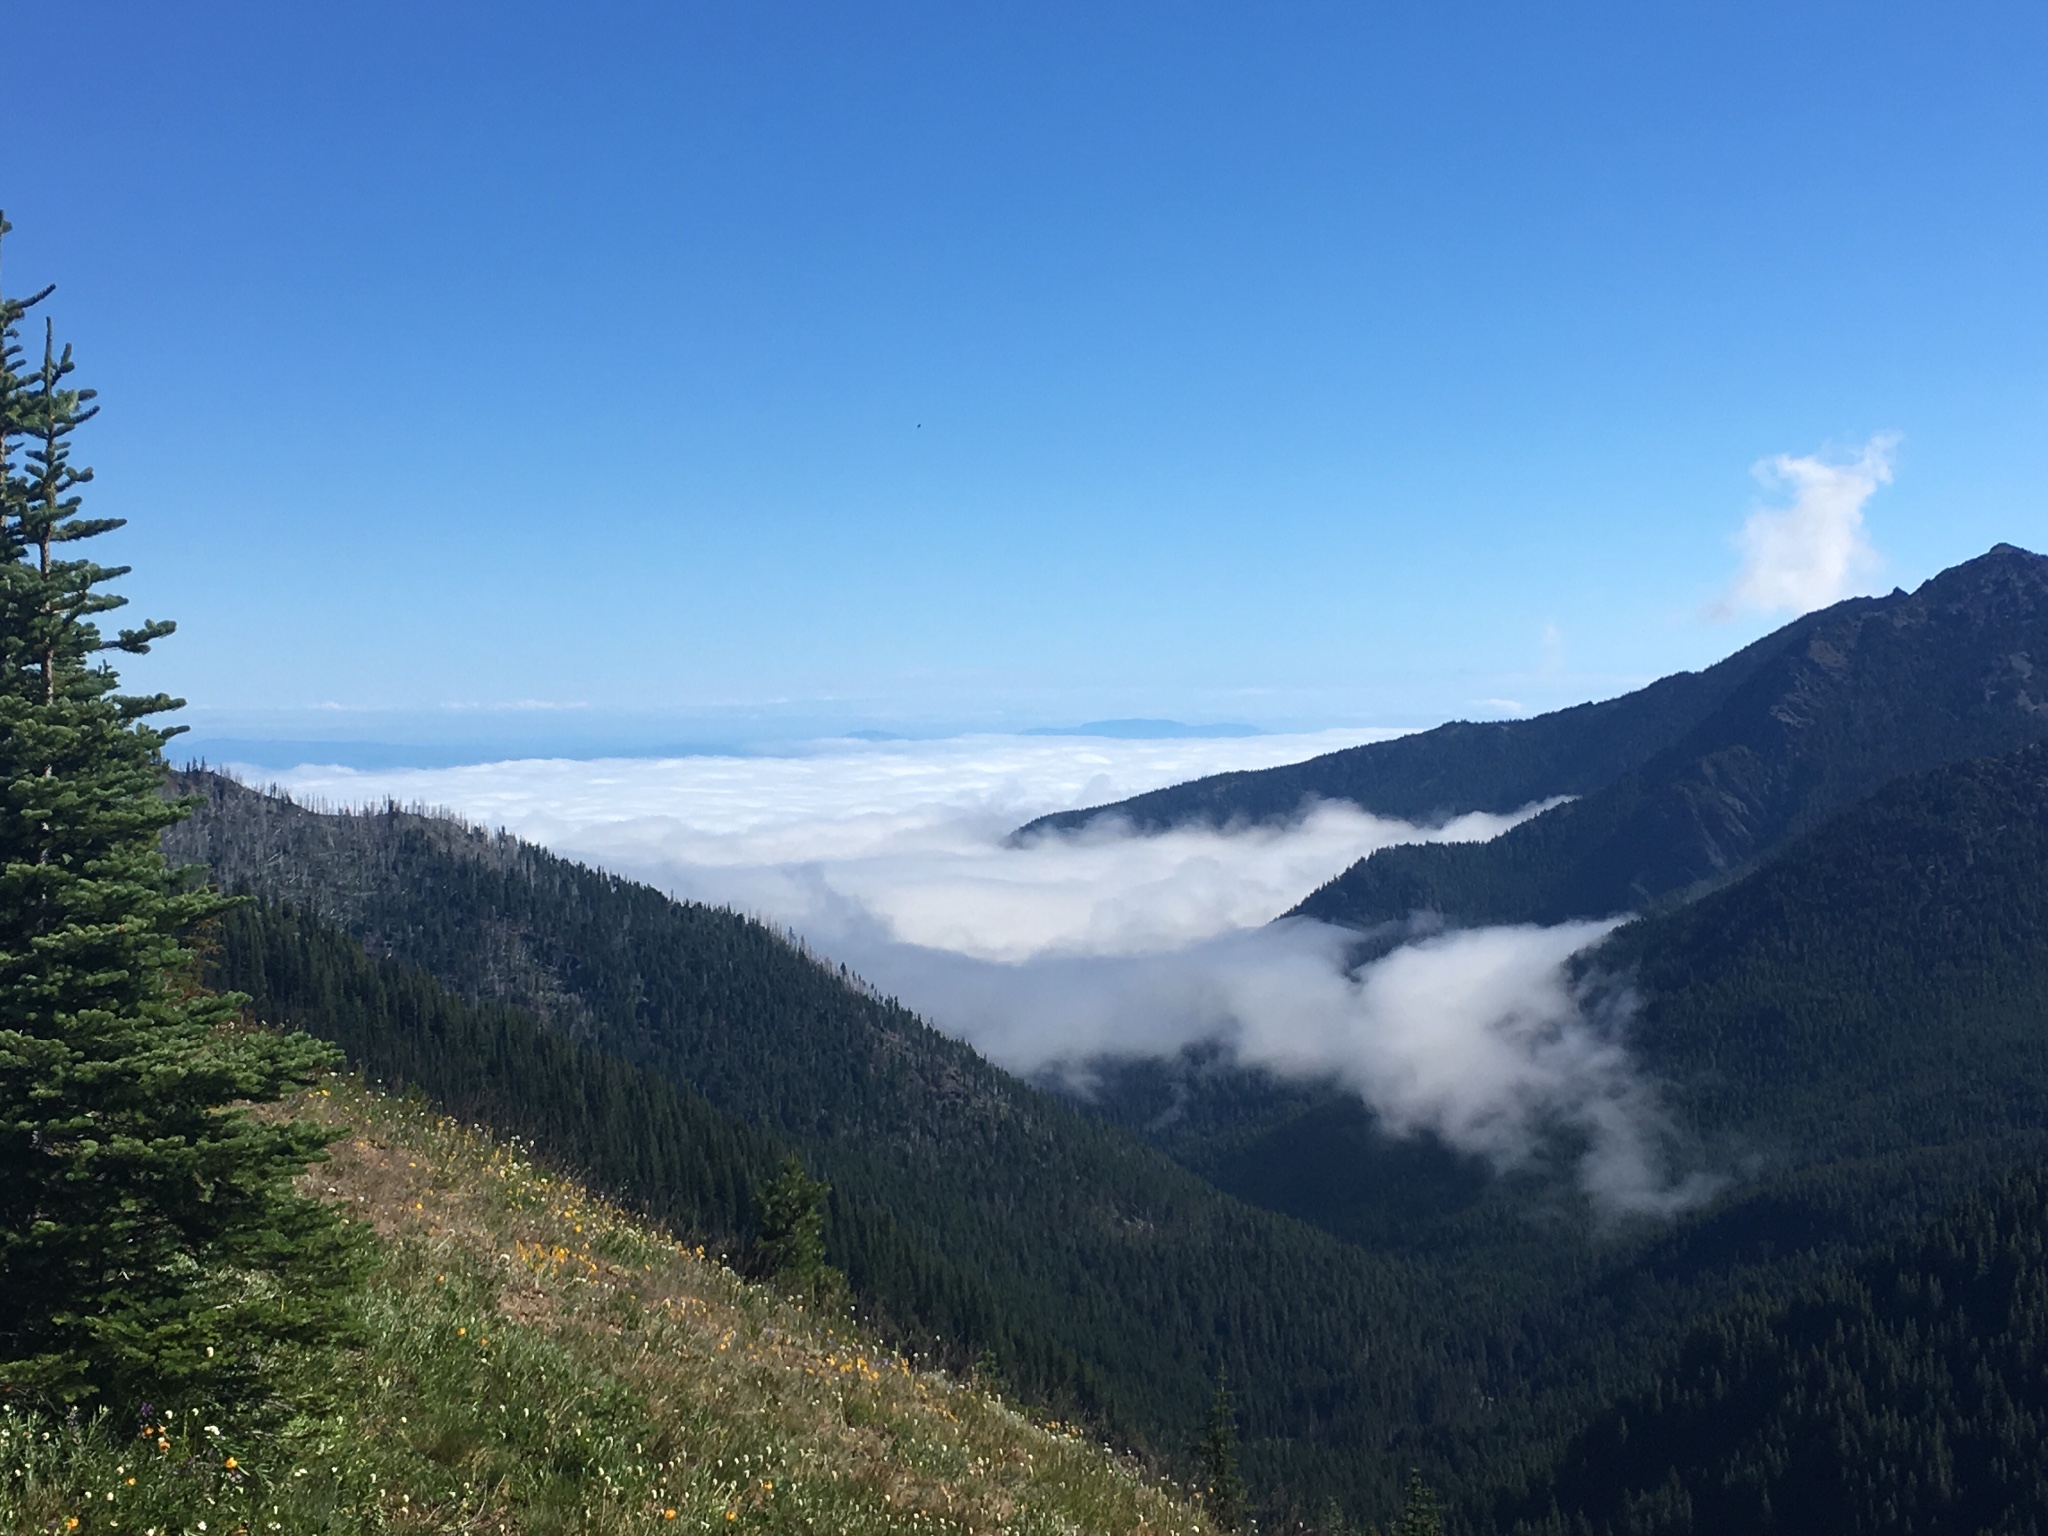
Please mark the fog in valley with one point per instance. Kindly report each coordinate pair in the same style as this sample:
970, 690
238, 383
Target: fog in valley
893, 858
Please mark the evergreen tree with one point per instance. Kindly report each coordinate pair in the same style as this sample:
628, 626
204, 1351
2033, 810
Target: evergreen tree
1222, 1483
792, 1234
1419, 1513
150, 1243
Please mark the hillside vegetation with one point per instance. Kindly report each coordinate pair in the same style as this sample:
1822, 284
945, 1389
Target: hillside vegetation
1905, 1390
1851, 1033
533, 1359
1880, 985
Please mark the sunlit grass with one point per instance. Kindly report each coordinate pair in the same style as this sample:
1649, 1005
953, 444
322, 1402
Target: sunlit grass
540, 1361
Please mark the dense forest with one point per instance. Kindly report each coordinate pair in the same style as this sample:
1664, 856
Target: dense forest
1870, 998
1905, 1390
635, 1133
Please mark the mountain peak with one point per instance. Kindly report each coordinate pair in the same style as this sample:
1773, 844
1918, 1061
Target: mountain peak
2007, 562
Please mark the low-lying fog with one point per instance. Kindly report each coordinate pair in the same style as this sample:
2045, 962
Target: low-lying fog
891, 857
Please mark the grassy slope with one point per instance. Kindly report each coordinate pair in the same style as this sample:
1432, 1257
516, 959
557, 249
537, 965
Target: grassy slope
538, 1361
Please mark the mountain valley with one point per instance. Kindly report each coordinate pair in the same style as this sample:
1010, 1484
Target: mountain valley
1845, 1030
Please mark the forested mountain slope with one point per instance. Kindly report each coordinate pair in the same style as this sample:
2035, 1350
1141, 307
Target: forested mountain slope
1862, 693
1854, 1037
1882, 982
1096, 1267
1875, 996
1905, 1391
1463, 766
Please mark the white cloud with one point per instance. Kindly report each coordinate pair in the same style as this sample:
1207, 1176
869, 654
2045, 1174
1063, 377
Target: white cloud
892, 858
1815, 551
1474, 1035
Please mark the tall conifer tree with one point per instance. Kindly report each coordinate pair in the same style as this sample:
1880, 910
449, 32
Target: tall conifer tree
151, 1245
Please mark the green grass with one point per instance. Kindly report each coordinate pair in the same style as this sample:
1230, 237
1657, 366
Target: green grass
537, 1360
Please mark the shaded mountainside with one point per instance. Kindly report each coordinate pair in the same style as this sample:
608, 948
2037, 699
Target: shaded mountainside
647, 1140
1882, 982
1497, 766
1856, 1036
1845, 701
1904, 1392
1875, 997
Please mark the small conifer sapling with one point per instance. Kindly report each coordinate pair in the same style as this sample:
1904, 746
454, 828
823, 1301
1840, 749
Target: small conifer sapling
1222, 1483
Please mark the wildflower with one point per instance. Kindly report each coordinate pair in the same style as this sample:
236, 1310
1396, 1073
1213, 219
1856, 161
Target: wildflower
668, 1514
232, 1463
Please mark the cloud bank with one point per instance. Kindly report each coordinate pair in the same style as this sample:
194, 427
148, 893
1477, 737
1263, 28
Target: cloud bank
890, 857
1815, 551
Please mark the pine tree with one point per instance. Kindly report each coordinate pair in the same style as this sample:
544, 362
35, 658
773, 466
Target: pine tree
1222, 1484
792, 1232
1420, 1515
151, 1246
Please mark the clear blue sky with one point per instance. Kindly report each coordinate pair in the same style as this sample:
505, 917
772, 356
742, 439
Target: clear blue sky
947, 364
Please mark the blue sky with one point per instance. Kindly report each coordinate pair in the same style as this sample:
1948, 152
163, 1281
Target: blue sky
700, 372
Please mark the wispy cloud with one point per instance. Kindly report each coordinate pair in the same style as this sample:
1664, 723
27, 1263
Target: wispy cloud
1476, 1036
1816, 551
892, 858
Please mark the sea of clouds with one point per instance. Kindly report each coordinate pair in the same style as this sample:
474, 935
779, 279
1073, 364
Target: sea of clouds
892, 857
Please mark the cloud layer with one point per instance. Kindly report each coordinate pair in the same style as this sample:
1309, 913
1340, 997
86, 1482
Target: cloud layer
1815, 551
891, 858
